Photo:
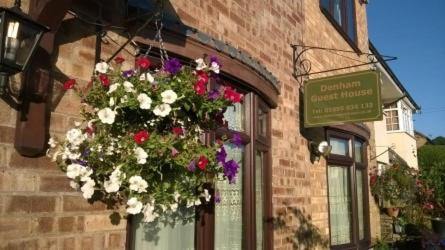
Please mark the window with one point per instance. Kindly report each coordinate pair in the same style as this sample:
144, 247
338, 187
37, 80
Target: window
342, 14
392, 117
347, 192
399, 117
238, 220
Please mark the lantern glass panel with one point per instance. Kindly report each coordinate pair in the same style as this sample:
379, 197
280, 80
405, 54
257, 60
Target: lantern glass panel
19, 41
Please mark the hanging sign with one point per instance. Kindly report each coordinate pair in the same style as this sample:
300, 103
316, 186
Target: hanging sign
353, 97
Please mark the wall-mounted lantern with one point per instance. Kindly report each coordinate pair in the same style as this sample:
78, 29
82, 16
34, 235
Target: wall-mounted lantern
19, 37
319, 149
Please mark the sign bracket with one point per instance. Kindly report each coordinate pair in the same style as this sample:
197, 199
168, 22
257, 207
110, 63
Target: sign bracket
302, 66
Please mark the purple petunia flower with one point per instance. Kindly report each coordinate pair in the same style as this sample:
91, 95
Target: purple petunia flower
82, 162
128, 73
213, 94
217, 197
86, 152
172, 66
221, 155
192, 166
237, 140
230, 170
215, 59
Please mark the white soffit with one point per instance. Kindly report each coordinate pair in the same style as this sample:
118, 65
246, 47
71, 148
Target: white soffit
390, 91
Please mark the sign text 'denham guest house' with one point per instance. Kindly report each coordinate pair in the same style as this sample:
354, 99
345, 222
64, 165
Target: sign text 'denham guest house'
353, 97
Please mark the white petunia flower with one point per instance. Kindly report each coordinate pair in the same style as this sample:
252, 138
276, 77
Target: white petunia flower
190, 204
102, 67
147, 76
177, 195
117, 174
214, 66
124, 99
197, 202
74, 185
112, 185
141, 155
75, 136
73, 170
134, 206
207, 195
174, 207
201, 64
107, 115
72, 155
144, 101
128, 86
138, 184
162, 110
149, 215
113, 87
112, 102
85, 173
169, 96
52, 143
88, 188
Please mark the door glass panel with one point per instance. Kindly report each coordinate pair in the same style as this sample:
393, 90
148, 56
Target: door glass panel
235, 117
339, 205
259, 161
339, 146
361, 223
165, 235
358, 151
228, 212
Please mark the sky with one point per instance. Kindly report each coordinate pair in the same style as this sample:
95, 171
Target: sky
414, 31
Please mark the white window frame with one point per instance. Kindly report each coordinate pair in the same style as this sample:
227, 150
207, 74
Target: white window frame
405, 118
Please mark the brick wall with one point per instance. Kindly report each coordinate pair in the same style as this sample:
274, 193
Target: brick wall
319, 31
39, 210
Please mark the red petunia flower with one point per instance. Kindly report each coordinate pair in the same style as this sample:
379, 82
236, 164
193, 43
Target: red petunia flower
141, 136
90, 130
69, 84
202, 162
143, 63
119, 59
200, 88
175, 152
232, 95
428, 206
203, 77
104, 80
178, 131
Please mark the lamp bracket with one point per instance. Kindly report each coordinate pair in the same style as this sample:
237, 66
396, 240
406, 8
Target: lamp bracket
302, 66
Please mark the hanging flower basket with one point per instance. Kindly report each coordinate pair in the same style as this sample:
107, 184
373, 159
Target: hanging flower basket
140, 140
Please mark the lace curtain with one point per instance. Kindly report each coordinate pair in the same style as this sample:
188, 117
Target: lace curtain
339, 205
228, 213
164, 236
360, 208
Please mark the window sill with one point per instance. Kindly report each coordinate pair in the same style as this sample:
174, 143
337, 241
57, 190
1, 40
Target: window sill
341, 31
